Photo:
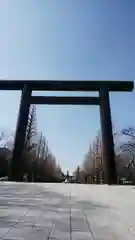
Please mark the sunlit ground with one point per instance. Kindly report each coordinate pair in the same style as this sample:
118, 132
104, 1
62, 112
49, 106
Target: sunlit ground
66, 211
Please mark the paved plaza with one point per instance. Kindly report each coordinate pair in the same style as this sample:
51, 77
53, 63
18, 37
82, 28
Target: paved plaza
40, 211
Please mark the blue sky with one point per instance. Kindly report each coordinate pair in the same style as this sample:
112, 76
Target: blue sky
66, 40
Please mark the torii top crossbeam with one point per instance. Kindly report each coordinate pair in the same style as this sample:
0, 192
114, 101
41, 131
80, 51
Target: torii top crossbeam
46, 85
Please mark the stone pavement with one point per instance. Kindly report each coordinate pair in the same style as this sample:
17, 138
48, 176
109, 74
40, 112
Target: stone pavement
40, 211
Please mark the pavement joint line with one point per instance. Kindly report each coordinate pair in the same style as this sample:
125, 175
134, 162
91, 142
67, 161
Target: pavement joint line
88, 224
85, 218
18, 221
76, 203
50, 230
70, 217
70, 223
14, 225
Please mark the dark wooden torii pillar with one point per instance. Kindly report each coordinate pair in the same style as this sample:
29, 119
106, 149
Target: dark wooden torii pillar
105, 114
108, 154
16, 165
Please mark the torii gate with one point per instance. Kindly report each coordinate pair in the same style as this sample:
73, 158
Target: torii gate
103, 87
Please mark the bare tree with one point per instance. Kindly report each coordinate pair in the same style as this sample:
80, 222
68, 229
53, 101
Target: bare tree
93, 164
128, 147
39, 147
2, 135
38, 161
31, 132
129, 132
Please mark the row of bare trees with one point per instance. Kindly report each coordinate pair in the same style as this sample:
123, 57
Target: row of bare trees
39, 164
92, 168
